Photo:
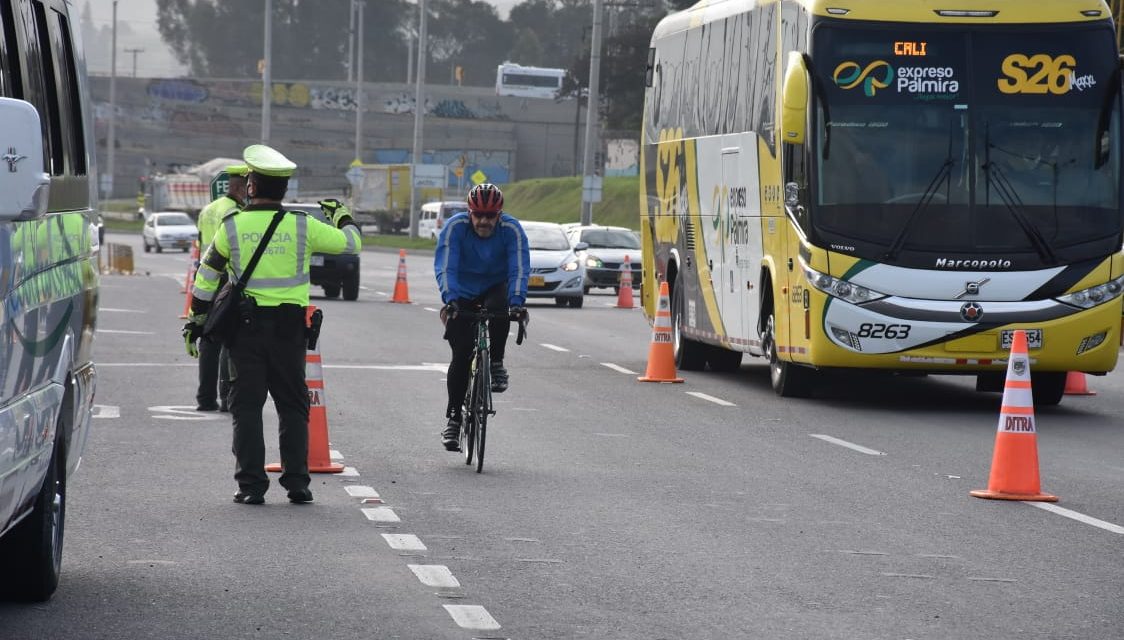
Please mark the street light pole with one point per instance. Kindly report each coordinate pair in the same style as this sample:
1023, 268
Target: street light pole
592, 117
112, 139
359, 85
351, 42
419, 119
267, 74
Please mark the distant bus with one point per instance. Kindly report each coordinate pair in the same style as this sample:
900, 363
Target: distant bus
528, 82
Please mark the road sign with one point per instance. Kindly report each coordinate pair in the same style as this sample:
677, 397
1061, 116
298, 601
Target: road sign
478, 177
354, 175
429, 176
591, 189
458, 172
219, 185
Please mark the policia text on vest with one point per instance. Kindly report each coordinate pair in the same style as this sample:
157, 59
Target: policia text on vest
267, 352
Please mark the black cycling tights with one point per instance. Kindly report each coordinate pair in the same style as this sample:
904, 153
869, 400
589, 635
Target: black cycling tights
461, 335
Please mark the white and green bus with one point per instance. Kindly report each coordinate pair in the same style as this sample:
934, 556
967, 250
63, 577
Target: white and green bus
892, 186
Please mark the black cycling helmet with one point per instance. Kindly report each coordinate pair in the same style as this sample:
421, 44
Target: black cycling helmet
485, 198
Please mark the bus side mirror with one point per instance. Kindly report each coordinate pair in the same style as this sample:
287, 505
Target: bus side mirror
24, 186
794, 100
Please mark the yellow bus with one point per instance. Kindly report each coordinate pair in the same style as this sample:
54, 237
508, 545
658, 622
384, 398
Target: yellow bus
886, 185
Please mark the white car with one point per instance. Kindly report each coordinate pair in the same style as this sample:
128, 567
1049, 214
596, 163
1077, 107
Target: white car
434, 215
556, 271
606, 251
169, 230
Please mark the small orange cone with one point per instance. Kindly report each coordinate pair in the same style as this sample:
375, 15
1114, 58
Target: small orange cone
661, 357
1075, 385
401, 289
319, 457
1014, 465
190, 279
624, 290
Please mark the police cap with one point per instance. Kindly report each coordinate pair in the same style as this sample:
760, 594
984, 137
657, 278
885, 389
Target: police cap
237, 170
268, 161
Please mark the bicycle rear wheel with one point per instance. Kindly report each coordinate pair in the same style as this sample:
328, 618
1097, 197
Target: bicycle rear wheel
482, 406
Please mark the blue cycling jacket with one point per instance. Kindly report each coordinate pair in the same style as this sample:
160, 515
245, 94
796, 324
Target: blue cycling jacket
468, 265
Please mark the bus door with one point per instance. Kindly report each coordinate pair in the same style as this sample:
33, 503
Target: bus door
741, 241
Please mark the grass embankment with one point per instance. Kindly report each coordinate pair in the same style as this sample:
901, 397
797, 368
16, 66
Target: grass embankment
545, 199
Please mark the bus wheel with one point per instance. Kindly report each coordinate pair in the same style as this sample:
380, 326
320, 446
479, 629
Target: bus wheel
724, 359
789, 380
1047, 387
690, 355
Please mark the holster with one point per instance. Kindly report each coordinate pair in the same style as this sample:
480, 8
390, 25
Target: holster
312, 331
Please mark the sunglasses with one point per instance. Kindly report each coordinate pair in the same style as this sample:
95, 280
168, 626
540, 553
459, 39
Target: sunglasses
487, 215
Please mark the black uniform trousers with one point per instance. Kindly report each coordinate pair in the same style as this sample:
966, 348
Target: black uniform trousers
214, 369
461, 334
268, 355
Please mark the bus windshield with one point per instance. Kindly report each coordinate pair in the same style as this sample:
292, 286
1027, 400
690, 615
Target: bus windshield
980, 142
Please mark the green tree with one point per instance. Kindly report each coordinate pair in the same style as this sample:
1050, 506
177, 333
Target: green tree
468, 33
527, 49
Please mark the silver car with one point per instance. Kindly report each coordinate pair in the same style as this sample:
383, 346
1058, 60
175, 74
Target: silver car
607, 247
169, 230
556, 271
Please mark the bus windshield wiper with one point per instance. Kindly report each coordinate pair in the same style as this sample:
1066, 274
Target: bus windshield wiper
943, 173
1013, 204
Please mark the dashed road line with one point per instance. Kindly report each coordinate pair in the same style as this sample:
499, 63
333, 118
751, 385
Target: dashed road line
435, 575
350, 472
106, 411
708, 398
472, 616
849, 445
381, 514
404, 542
335, 455
1080, 517
553, 347
361, 491
618, 368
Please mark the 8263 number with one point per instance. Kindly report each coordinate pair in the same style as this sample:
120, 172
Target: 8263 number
879, 330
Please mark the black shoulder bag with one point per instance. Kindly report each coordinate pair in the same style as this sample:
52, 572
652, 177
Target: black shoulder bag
222, 321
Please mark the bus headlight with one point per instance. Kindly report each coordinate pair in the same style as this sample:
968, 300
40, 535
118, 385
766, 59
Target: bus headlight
1091, 297
841, 289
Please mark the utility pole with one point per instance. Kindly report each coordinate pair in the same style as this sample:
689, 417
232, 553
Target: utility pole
267, 74
419, 119
592, 119
359, 85
134, 51
107, 181
409, 58
351, 42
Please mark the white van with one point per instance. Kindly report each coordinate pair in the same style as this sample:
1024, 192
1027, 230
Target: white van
48, 285
434, 215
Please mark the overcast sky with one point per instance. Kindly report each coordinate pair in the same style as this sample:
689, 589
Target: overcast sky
156, 59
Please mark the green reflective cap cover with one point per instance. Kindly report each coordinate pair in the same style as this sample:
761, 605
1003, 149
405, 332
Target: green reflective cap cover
268, 161
237, 170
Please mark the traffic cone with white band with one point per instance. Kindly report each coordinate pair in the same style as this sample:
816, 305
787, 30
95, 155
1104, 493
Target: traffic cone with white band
661, 355
624, 291
1014, 464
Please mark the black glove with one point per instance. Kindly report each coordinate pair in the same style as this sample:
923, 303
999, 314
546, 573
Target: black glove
450, 310
518, 313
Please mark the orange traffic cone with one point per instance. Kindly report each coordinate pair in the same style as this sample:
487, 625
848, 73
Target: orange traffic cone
319, 457
1014, 465
1075, 385
624, 290
190, 279
661, 357
401, 289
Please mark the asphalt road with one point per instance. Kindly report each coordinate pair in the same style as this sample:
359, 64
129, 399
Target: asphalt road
607, 509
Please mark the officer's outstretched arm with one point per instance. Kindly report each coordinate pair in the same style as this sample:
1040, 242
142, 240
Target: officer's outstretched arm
324, 238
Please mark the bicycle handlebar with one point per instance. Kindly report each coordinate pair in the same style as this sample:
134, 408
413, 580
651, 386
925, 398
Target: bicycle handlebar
485, 314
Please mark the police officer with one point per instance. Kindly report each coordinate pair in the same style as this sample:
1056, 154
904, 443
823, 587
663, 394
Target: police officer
267, 352
214, 357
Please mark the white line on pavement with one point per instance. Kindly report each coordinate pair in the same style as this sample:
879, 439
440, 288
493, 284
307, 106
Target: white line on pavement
618, 368
430, 309
553, 347
361, 491
381, 293
381, 514
350, 472
335, 455
1080, 517
471, 616
106, 411
124, 331
404, 542
440, 368
435, 575
718, 401
849, 445
110, 310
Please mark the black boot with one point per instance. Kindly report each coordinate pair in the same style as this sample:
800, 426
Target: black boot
450, 437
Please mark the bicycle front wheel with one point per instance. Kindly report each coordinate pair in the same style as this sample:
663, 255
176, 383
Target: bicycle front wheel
483, 406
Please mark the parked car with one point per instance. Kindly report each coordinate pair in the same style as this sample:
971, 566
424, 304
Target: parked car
434, 215
608, 247
49, 291
169, 230
333, 272
556, 270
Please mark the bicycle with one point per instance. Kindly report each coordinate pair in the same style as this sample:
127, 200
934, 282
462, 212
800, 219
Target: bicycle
478, 399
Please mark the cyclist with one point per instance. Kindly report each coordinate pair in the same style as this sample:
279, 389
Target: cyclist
482, 260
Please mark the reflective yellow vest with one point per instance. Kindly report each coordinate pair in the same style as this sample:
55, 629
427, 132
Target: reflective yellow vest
211, 217
281, 276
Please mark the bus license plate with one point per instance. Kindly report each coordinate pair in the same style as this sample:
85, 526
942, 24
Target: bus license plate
536, 281
1033, 339
316, 261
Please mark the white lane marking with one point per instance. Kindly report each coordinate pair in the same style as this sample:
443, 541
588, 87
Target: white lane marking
127, 332
349, 472
553, 347
106, 411
435, 575
361, 491
849, 445
110, 310
381, 293
426, 308
404, 541
1080, 517
335, 455
440, 368
381, 514
618, 368
184, 412
471, 616
717, 401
